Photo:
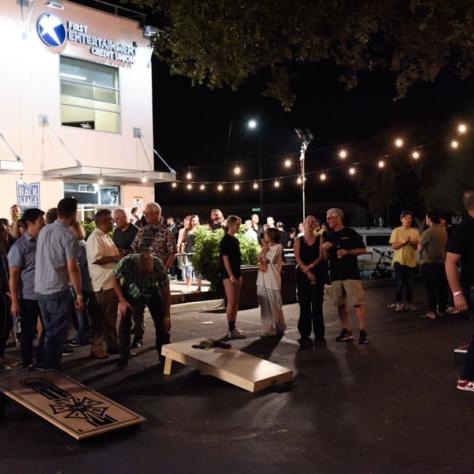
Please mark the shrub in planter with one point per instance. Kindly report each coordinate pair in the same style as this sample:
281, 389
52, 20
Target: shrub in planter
206, 257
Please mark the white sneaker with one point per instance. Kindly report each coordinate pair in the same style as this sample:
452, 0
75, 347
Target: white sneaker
399, 307
411, 307
429, 315
236, 334
451, 310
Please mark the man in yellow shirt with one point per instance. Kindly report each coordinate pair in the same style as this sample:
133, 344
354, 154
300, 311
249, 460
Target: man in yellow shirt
404, 241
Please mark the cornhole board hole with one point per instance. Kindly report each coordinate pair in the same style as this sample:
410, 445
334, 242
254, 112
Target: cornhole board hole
460, 354
70, 406
231, 365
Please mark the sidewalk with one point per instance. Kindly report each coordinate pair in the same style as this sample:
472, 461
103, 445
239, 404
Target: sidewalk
389, 407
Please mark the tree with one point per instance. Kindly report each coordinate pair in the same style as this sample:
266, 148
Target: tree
225, 42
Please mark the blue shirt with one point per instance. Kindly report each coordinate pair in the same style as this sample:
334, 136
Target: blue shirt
56, 245
22, 255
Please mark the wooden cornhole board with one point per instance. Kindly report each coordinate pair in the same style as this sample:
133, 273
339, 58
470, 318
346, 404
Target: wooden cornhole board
231, 365
70, 406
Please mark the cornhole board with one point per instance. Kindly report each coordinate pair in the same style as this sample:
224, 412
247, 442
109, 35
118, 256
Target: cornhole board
231, 365
70, 406
460, 354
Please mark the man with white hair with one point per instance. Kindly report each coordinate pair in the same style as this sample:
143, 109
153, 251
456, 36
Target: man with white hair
343, 245
156, 239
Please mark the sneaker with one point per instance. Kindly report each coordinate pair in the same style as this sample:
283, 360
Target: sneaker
399, 307
67, 350
411, 307
429, 315
465, 385
345, 336
451, 310
363, 337
236, 334
137, 343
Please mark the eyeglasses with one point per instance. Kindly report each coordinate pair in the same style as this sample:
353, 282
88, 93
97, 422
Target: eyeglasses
331, 217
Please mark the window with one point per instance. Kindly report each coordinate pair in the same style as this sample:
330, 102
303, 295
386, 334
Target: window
91, 193
89, 95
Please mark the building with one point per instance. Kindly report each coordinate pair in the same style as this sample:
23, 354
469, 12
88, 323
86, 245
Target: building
76, 107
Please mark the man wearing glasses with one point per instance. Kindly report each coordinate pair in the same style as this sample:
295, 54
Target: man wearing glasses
156, 239
343, 245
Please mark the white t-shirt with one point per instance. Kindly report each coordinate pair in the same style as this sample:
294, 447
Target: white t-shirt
272, 277
100, 245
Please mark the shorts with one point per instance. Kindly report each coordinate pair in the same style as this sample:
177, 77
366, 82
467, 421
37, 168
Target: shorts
347, 291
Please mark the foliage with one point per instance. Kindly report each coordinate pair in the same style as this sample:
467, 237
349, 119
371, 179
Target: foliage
89, 227
206, 258
225, 42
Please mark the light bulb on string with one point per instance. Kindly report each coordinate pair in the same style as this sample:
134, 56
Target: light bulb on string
415, 155
189, 175
220, 188
323, 177
189, 186
237, 170
454, 144
462, 128
202, 187
399, 142
352, 171
255, 186
236, 187
276, 183
299, 180
174, 184
343, 154
288, 163
381, 164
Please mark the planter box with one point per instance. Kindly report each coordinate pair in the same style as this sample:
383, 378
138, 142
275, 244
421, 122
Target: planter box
248, 297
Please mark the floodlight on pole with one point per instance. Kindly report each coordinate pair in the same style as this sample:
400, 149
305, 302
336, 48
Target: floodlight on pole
306, 137
252, 124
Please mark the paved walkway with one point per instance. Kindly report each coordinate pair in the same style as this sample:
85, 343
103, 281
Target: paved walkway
389, 407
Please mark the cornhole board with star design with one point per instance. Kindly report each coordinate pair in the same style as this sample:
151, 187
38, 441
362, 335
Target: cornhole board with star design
231, 365
70, 406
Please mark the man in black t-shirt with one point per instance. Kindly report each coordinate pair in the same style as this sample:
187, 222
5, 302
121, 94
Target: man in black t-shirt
342, 246
461, 250
124, 232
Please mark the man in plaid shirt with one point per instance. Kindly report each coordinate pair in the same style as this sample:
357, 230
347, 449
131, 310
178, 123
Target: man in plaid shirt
142, 280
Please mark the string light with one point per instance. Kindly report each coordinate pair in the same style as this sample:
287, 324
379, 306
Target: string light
189, 175
352, 171
220, 187
299, 180
415, 155
276, 183
323, 177
189, 186
381, 164
255, 186
399, 142
454, 144
174, 184
236, 187
288, 163
343, 154
202, 187
462, 128
237, 170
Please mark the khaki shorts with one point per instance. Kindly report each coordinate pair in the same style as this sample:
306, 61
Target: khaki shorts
347, 291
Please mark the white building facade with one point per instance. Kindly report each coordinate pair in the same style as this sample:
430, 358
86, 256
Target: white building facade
76, 108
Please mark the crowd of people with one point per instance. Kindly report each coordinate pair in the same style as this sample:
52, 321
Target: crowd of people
54, 282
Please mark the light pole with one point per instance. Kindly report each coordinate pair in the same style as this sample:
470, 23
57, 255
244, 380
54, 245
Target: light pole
306, 138
252, 124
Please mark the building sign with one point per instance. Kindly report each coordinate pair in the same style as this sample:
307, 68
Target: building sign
28, 195
53, 33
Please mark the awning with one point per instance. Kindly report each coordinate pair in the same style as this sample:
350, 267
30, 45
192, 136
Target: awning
93, 173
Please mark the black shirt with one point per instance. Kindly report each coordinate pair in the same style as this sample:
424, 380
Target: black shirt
345, 268
308, 254
123, 240
462, 243
230, 246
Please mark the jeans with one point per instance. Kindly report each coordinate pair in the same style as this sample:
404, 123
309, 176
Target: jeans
81, 319
404, 276
436, 286
154, 304
468, 371
310, 298
57, 310
5, 322
29, 314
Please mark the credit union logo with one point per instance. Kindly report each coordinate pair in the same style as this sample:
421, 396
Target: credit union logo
51, 30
